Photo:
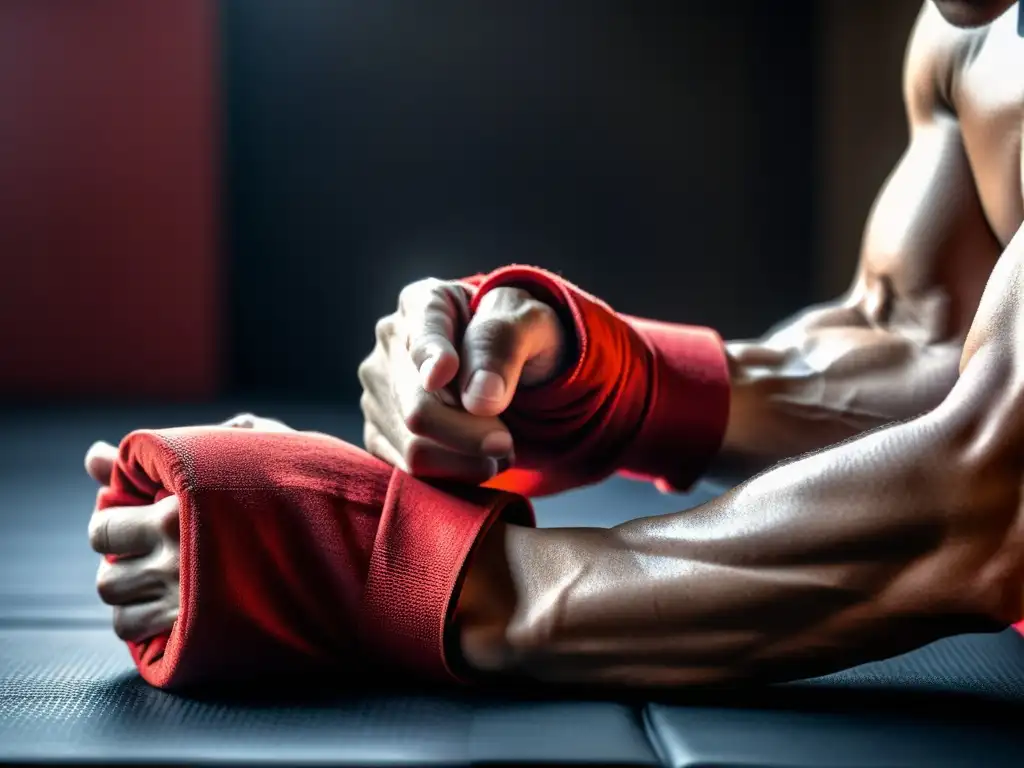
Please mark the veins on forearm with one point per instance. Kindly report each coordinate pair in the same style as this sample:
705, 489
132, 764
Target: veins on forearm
834, 372
856, 553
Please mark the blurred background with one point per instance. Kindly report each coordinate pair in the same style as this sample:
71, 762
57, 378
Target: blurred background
205, 200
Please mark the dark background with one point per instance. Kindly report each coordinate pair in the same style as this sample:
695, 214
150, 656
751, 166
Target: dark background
644, 150
202, 199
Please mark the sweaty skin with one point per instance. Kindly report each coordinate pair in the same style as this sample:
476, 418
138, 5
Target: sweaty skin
881, 544
878, 545
888, 349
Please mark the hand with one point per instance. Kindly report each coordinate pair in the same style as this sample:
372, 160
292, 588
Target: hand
437, 380
142, 582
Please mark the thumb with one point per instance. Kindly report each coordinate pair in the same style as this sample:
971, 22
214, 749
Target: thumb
99, 461
499, 340
432, 311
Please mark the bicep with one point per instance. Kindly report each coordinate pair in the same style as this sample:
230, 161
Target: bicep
927, 246
924, 255
890, 348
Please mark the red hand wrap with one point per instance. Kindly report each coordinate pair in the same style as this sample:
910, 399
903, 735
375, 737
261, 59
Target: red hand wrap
644, 398
301, 554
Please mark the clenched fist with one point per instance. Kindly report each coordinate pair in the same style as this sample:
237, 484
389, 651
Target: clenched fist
140, 575
437, 379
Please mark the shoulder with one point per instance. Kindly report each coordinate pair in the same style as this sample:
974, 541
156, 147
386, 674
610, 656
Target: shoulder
936, 54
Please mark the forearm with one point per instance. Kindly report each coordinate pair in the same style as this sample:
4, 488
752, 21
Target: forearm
860, 552
824, 378
671, 402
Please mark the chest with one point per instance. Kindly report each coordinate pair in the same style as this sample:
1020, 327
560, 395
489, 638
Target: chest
989, 100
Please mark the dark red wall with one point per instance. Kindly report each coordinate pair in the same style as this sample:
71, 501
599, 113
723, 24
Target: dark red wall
108, 268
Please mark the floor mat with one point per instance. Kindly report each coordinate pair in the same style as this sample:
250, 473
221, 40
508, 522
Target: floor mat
989, 667
68, 691
74, 695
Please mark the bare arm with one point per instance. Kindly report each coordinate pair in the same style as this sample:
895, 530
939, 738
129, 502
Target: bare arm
865, 550
888, 350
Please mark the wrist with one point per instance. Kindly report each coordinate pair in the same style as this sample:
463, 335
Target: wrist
485, 605
756, 383
504, 622
688, 404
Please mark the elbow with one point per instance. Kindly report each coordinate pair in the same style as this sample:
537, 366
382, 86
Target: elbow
981, 424
980, 419
987, 538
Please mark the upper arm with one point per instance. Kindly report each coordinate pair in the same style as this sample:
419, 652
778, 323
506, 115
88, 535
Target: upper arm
889, 349
927, 246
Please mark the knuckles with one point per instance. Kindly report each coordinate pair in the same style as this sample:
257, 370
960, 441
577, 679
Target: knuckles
499, 334
418, 414
167, 519
122, 625
165, 568
534, 312
515, 307
384, 329
243, 421
365, 404
99, 537
133, 625
418, 292
417, 455
106, 581
366, 371
369, 438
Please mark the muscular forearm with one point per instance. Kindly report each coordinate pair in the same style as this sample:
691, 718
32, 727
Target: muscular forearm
826, 377
860, 552
670, 402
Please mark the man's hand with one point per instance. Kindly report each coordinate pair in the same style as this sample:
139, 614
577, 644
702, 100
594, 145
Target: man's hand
140, 575
437, 380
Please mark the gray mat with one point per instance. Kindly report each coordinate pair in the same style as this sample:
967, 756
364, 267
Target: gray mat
68, 691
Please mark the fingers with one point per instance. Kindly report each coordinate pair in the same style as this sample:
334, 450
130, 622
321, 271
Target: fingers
432, 313
462, 432
423, 414
509, 331
410, 380
99, 461
259, 423
144, 590
378, 445
421, 456
426, 458
400, 410
143, 584
142, 621
101, 456
133, 531
125, 582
